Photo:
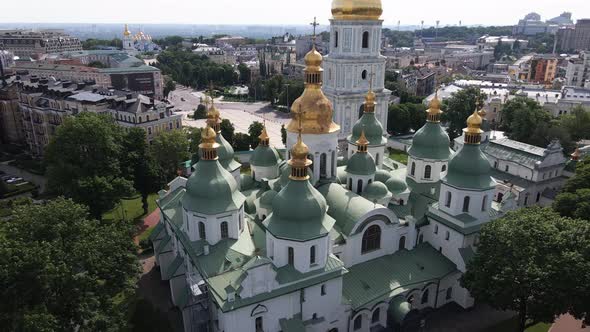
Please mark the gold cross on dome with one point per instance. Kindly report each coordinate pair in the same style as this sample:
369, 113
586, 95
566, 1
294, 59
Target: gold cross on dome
314, 24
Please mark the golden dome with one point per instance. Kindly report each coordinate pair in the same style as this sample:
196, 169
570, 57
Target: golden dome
313, 108
299, 162
362, 143
474, 121
434, 111
126, 33
264, 138
356, 9
473, 130
208, 145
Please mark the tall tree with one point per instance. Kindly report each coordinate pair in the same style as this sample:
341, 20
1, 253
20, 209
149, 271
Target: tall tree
170, 149
254, 131
245, 73
139, 165
459, 107
228, 130
534, 262
83, 162
241, 142
398, 119
577, 124
283, 134
169, 86
61, 270
574, 200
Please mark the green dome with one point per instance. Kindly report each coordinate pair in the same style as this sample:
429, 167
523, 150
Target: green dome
211, 190
361, 164
299, 213
372, 127
265, 156
431, 142
396, 186
246, 182
375, 191
470, 169
382, 175
267, 197
225, 152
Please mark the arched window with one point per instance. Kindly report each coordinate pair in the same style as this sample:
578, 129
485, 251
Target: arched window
349, 183
335, 39
402, 243
375, 317
538, 197
323, 165
427, 171
484, 203
312, 255
466, 204
358, 322
366, 39
448, 200
323, 290
413, 171
364, 75
425, 297
290, 256
444, 168
447, 235
259, 326
371, 239
377, 157
202, 233
224, 230
421, 238
449, 293
359, 186
435, 229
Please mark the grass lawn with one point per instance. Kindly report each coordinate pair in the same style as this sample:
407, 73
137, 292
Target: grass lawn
130, 209
399, 156
511, 325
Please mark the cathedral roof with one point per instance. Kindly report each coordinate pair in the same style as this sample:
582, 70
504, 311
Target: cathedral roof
431, 142
361, 164
375, 191
265, 156
357, 9
372, 127
226, 154
469, 169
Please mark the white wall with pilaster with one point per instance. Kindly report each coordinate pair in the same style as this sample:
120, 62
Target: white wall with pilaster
480, 202
353, 181
438, 169
377, 151
235, 223
323, 152
277, 250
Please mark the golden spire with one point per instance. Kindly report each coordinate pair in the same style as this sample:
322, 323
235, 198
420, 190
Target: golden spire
213, 115
434, 111
473, 131
208, 145
316, 107
370, 98
126, 33
362, 143
264, 138
299, 162
356, 9
576, 155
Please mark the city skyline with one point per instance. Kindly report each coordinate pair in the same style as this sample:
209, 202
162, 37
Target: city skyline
274, 12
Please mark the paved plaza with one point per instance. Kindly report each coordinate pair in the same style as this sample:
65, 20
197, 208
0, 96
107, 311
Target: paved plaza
240, 114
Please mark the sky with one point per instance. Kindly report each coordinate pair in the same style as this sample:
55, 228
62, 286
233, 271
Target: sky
280, 12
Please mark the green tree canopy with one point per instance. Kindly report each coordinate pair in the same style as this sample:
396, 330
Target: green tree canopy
200, 112
245, 73
254, 131
170, 149
398, 119
534, 262
60, 270
169, 86
574, 200
241, 142
577, 124
459, 107
228, 130
83, 162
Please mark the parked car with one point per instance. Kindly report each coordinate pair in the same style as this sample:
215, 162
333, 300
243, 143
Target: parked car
14, 180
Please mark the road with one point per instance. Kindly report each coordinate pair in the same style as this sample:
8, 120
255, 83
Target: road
240, 114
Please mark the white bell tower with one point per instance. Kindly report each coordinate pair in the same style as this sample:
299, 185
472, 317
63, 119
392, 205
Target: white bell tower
127, 40
355, 53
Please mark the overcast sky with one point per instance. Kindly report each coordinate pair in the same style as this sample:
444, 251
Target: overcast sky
449, 12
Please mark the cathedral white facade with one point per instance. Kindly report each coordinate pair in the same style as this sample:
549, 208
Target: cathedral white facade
318, 242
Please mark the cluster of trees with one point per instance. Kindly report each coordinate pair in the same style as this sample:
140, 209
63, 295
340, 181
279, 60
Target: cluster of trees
93, 44
95, 162
536, 261
525, 120
406, 38
62, 270
193, 70
169, 41
277, 89
403, 118
459, 107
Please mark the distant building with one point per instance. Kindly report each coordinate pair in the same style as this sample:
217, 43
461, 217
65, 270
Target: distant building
11, 120
216, 54
233, 41
564, 19
45, 104
576, 38
29, 43
274, 60
534, 68
123, 72
578, 71
531, 25
425, 81
6, 59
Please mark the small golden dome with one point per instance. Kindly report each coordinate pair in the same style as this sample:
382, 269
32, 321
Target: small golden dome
357, 9
313, 58
434, 111
370, 97
126, 33
208, 135
474, 121
299, 150
362, 143
264, 135
435, 102
208, 144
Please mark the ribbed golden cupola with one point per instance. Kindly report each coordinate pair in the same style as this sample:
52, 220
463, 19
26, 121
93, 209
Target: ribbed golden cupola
208, 145
264, 138
356, 9
434, 111
126, 33
299, 162
213, 116
370, 99
473, 131
362, 143
313, 107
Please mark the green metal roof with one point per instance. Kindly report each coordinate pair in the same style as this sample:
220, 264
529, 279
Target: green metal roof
265, 156
375, 191
299, 213
164, 245
157, 232
292, 325
346, 207
470, 169
467, 254
396, 185
225, 152
361, 164
372, 127
463, 223
211, 190
246, 182
173, 267
267, 198
387, 276
382, 175
431, 142
181, 294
